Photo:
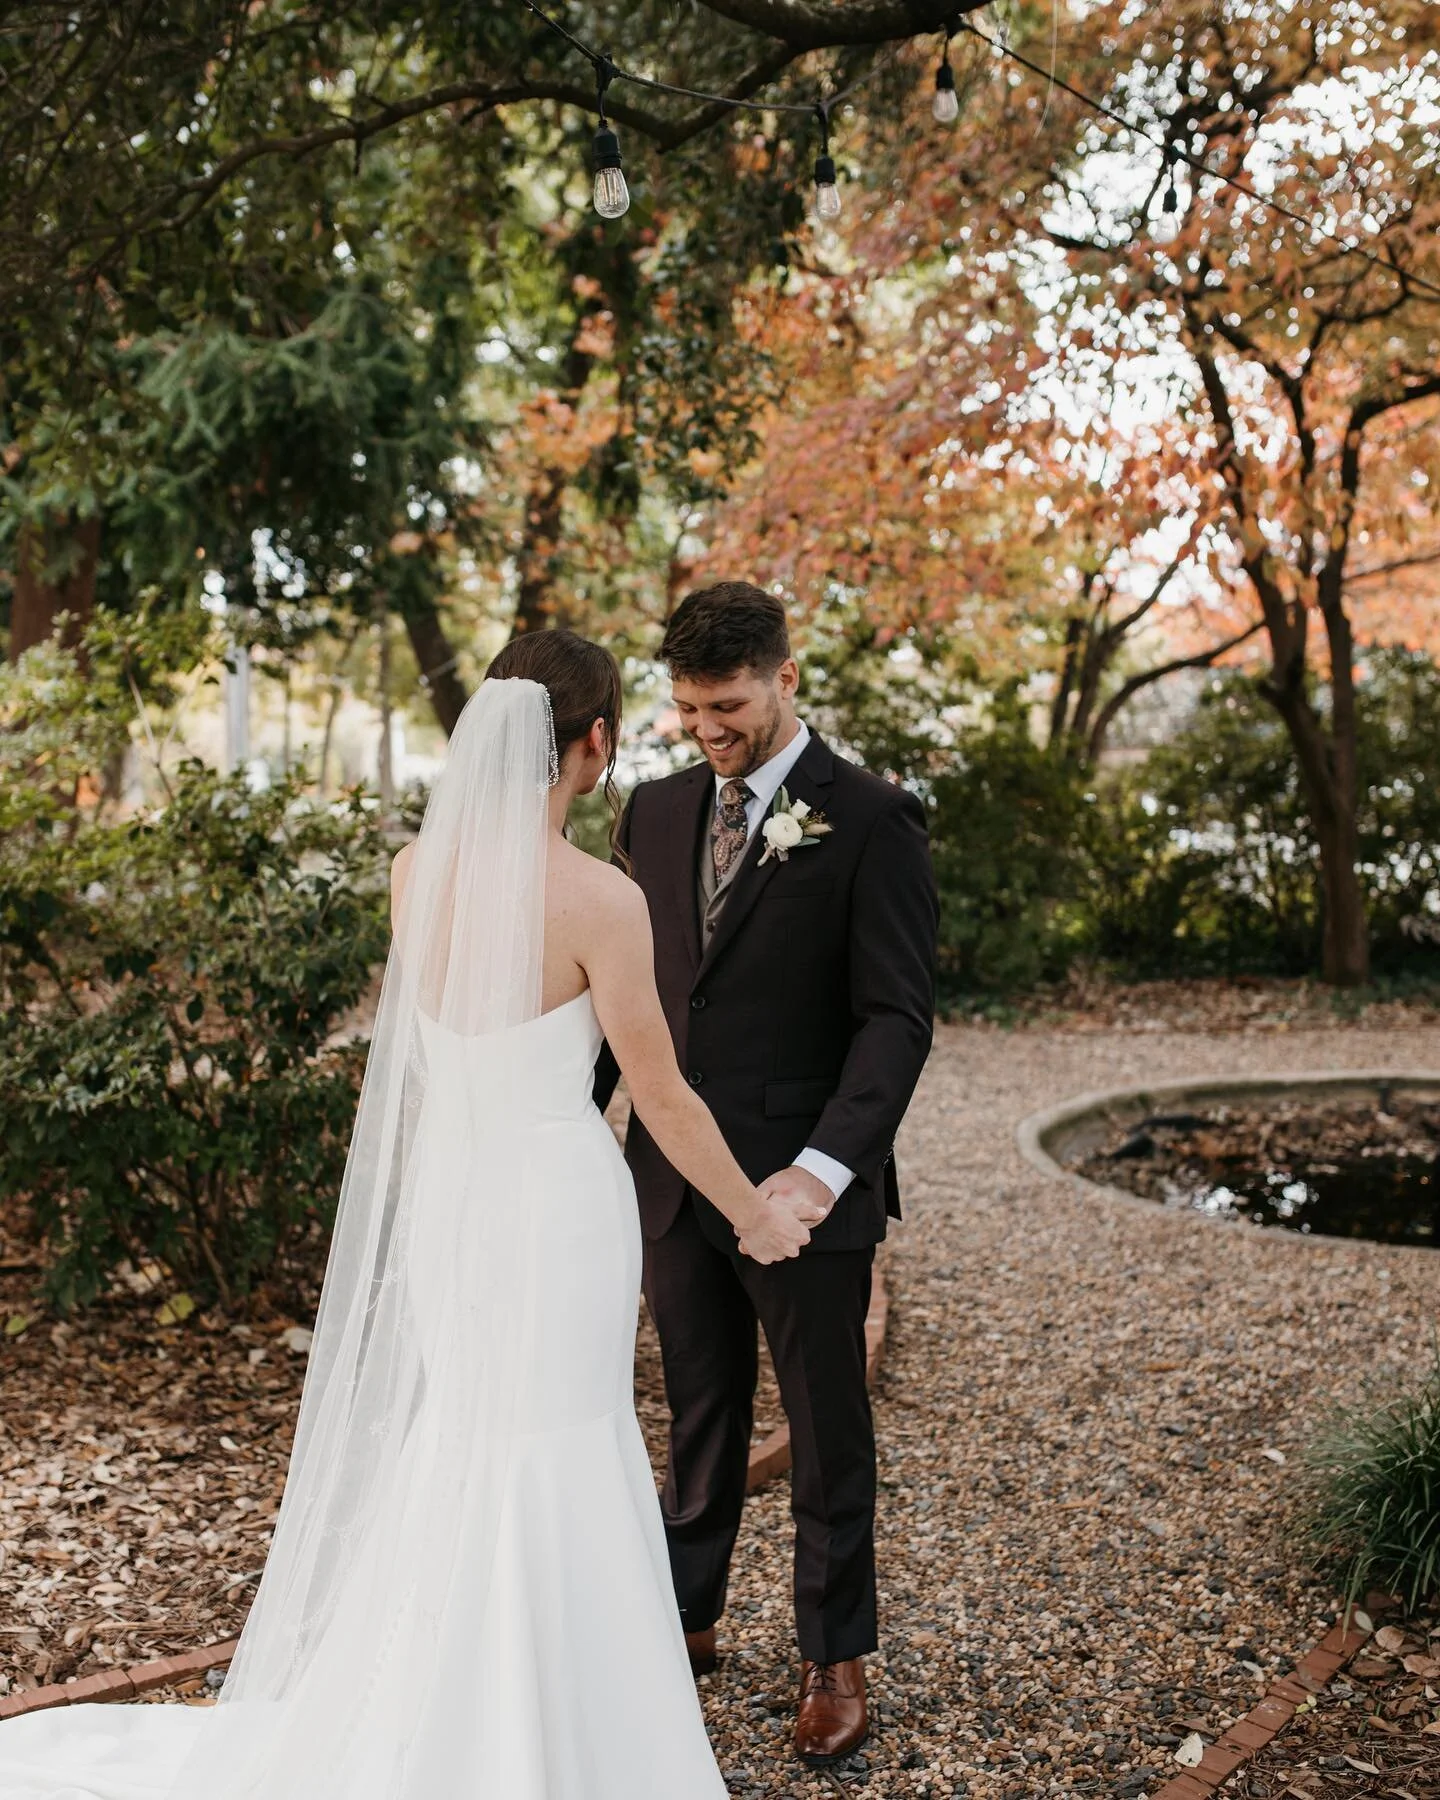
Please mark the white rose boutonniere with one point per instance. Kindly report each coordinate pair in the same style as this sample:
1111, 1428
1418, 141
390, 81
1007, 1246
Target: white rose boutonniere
792, 825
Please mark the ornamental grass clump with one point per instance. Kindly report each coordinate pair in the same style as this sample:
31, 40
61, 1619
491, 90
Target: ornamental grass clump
1374, 1506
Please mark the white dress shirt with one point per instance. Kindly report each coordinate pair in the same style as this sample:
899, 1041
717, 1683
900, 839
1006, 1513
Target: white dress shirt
764, 784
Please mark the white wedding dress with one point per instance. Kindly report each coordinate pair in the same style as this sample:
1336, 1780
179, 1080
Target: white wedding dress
468, 1596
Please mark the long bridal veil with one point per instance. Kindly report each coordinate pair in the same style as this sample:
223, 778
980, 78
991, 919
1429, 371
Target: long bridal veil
403, 1442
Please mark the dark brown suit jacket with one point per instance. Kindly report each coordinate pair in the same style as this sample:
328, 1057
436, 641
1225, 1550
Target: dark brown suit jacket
808, 1018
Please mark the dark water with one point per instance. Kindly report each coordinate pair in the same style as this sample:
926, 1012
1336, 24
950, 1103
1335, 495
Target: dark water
1391, 1198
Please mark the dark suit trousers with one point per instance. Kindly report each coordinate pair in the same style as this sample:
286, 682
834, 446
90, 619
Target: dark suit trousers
705, 1302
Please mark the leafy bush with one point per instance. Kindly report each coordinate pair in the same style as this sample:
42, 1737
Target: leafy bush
170, 1079
1373, 1511
1201, 858
1004, 811
1204, 856
1004, 816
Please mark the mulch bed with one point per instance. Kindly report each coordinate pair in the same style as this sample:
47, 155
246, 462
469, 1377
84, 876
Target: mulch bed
1374, 1731
141, 1468
1091, 1001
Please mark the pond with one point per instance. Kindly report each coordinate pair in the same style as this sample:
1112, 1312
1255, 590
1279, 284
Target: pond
1341, 1167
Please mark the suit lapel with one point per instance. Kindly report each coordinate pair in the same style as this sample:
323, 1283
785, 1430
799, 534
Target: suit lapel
808, 780
694, 803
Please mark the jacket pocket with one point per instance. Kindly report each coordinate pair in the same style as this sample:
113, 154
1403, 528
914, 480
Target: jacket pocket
796, 1099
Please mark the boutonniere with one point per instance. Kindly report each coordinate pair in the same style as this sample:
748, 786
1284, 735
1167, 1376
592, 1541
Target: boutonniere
792, 825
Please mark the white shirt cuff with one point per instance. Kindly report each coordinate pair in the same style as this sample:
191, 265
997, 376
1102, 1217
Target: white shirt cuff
825, 1168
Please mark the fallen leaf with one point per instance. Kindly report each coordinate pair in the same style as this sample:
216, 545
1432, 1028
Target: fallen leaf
1362, 1620
16, 1323
1425, 1666
298, 1340
175, 1310
1191, 1751
1275, 1456
1364, 1767
1388, 1638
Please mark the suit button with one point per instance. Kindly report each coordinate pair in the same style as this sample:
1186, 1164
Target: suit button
696, 1078
697, 1003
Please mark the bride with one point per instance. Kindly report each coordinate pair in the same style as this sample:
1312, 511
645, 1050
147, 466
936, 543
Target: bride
468, 1593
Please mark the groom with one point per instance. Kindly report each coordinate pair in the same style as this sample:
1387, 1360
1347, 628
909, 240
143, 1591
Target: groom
798, 981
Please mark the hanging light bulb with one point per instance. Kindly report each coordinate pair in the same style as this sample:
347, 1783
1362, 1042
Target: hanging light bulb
1166, 228
827, 194
946, 104
612, 196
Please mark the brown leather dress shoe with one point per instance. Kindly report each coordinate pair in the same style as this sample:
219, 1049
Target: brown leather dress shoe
834, 1720
701, 1645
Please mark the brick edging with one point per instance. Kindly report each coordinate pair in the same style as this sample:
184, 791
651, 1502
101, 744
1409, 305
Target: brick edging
121, 1684
771, 1456
1239, 1742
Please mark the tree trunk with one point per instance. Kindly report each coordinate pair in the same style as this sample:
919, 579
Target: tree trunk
1345, 939
433, 652
54, 574
1326, 767
1060, 705
535, 604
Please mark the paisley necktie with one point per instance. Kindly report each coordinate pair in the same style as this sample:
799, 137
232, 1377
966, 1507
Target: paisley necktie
729, 833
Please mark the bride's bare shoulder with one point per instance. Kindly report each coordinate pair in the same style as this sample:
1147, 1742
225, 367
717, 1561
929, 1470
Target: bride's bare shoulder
600, 889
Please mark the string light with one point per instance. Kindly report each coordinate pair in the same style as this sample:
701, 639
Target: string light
946, 104
612, 196
827, 194
1166, 228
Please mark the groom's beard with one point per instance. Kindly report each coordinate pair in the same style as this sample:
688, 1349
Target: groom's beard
748, 750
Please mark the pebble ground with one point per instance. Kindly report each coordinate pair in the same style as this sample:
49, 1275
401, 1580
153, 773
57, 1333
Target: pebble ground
1090, 1419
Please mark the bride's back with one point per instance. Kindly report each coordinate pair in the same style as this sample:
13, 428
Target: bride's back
576, 886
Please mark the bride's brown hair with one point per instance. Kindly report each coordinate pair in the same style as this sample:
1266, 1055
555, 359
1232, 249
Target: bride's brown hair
582, 679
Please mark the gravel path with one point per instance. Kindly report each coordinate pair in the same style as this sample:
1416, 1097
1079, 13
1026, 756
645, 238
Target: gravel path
1083, 1552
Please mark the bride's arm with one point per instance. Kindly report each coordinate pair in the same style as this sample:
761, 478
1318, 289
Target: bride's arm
618, 958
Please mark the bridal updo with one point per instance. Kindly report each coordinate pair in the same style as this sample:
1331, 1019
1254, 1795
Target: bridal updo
582, 679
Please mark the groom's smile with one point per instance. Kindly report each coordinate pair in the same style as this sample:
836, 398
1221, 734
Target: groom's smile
740, 721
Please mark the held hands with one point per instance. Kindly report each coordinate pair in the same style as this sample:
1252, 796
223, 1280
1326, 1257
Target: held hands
789, 1204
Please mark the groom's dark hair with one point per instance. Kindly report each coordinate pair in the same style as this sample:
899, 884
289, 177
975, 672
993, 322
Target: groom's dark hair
717, 631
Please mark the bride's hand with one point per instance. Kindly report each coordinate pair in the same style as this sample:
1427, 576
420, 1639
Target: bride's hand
779, 1227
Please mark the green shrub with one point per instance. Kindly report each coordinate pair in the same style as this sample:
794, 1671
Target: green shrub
1373, 1506
1004, 820
1004, 811
170, 1079
1202, 859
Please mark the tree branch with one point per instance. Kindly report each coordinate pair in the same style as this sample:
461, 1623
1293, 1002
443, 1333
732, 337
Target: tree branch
1203, 659
809, 27
1391, 568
